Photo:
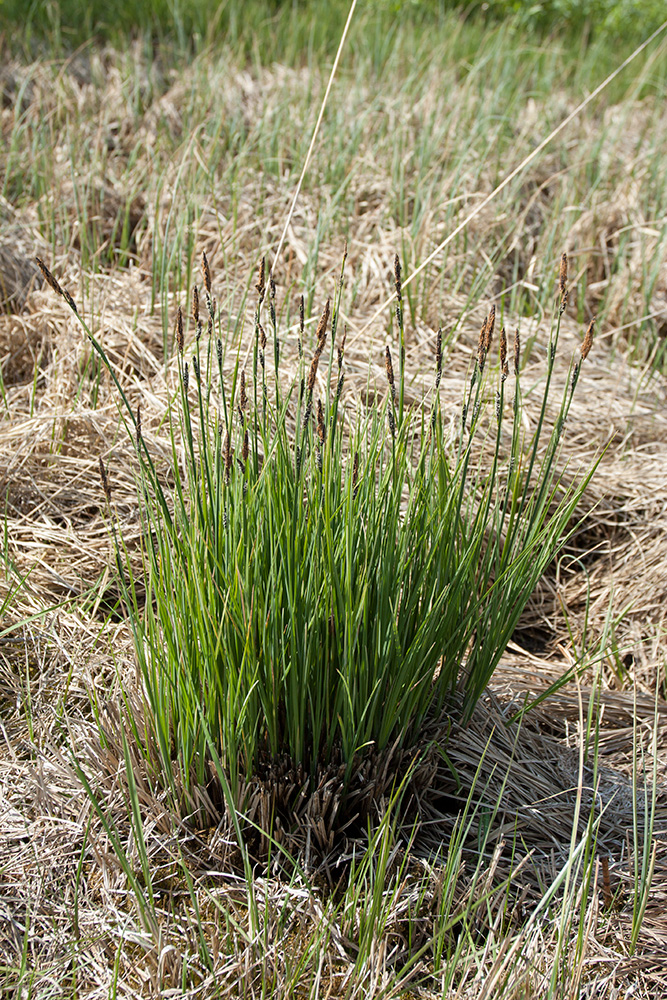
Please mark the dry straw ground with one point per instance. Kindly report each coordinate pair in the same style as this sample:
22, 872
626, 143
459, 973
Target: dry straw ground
64, 902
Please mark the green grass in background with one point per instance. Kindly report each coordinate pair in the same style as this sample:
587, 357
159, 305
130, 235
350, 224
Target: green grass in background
290, 29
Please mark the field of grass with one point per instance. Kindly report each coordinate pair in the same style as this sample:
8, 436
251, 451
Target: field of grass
176, 817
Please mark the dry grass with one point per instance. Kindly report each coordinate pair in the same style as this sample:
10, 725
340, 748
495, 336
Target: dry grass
64, 901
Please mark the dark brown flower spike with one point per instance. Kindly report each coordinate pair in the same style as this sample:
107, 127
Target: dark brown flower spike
261, 279
438, 357
562, 283
48, 277
206, 271
312, 374
481, 345
321, 331
321, 430
562, 273
51, 281
106, 486
504, 367
397, 277
490, 323
389, 368
227, 457
244, 395
588, 340
195, 304
179, 331
517, 352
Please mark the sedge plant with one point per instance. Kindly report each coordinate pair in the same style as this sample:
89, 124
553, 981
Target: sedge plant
321, 580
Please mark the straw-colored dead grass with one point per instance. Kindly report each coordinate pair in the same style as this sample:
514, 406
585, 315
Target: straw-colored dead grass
63, 894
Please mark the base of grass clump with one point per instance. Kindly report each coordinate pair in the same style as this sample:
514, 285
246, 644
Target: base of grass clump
318, 817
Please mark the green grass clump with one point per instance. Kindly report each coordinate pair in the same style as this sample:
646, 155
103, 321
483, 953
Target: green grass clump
319, 583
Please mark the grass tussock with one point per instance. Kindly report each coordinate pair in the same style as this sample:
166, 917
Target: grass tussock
316, 587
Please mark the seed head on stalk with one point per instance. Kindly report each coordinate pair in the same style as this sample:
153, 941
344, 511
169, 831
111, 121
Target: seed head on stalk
302, 323
397, 278
321, 331
588, 340
504, 367
50, 280
227, 458
312, 374
261, 279
562, 273
179, 331
106, 485
206, 271
517, 351
389, 368
438, 358
243, 394
321, 429
490, 323
562, 283
481, 345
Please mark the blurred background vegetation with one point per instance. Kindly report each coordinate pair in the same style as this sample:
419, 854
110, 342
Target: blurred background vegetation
293, 28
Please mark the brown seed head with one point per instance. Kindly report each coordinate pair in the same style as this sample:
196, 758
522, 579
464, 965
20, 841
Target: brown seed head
397, 277
321, 430
588, 340
438, 357
504, 367
302, 319
245, 449
179, 330
389, 368
262, 336
272, 288
562, 273
70, 301
517, 352
50, 280
261, 278
195, 305
321, 331
206, 271
490, 323
106, 486
481, 345
312, 374
244, 395
227, 457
